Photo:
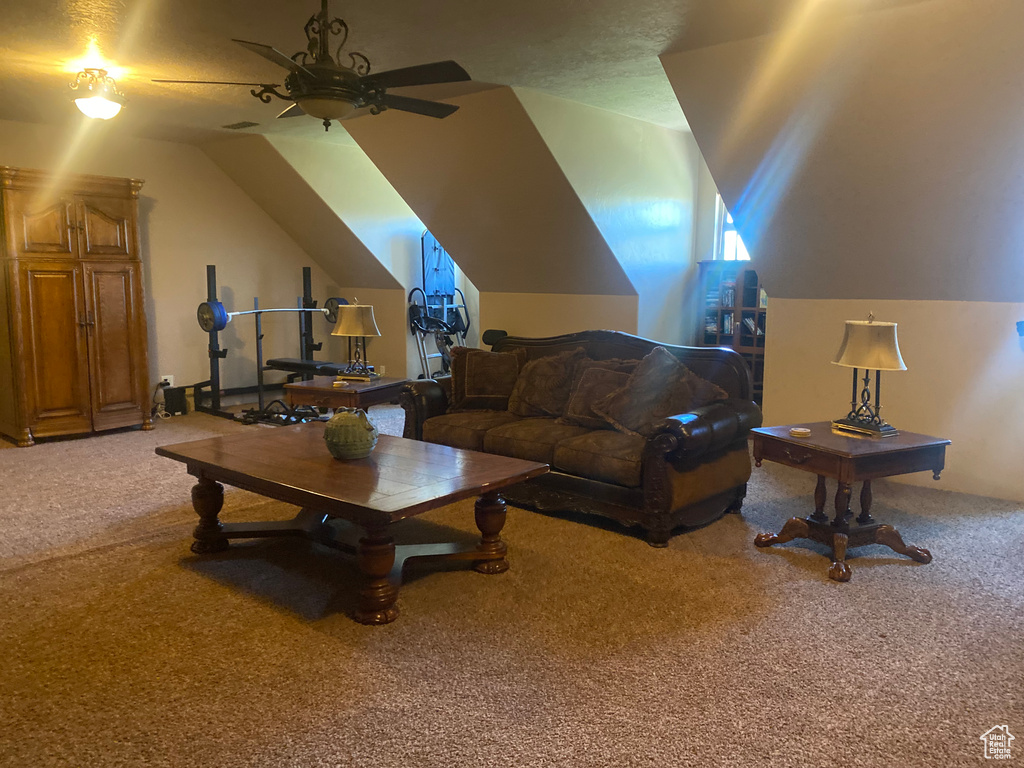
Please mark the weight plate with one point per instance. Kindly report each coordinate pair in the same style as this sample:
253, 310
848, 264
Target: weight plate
331, 308
212, 316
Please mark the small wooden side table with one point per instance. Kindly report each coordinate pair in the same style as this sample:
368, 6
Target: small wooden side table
848, 458
321, 392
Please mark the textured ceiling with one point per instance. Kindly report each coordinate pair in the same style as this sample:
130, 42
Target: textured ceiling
603, 53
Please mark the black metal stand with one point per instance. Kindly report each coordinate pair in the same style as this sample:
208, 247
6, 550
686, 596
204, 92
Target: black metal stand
277, 412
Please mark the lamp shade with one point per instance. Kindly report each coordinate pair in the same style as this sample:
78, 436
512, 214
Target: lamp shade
867, 344
355, 320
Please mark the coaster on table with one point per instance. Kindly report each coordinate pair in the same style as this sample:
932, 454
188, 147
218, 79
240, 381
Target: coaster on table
800, 432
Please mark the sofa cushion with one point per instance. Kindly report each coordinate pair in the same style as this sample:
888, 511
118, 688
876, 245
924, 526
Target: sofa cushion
530, 439
543, 386
660, 386
482, 379
592, 381
464, 429
613, 457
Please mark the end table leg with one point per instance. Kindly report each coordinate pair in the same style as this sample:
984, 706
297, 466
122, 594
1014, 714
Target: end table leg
207, 501
843, 493
891, 538
865, 518
839, 570
490, 519
795, 528
375, 557
819, 501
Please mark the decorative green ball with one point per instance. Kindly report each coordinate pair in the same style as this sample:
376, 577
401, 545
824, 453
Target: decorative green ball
350, 434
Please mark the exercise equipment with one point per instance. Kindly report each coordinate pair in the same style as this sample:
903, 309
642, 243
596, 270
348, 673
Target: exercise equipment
441, 312
213, 318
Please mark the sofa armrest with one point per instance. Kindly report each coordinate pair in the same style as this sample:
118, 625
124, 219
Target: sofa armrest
421, 399
707, 429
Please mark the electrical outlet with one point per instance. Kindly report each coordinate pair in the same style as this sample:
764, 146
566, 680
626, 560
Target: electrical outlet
167, 380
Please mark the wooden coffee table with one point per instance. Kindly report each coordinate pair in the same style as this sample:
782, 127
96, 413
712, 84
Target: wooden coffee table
848, 458
352, 505
321, 392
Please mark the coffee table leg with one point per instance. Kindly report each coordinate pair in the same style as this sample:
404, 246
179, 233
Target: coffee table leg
375, 557
490, 519
207, 501
891, 538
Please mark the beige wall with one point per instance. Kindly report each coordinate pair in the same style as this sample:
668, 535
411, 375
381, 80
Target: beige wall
485, 184
639, 183
874, 155
964, 360
872, 163
191, 215
549, 314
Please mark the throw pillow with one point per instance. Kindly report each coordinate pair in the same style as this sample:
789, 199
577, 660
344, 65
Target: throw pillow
544, 383
594, 380
661, 386
482, 379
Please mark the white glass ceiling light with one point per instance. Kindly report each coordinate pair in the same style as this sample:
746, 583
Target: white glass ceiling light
96, 94
326, 109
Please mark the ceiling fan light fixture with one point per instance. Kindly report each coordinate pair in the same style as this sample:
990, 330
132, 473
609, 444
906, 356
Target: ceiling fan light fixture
326, 109
96, 94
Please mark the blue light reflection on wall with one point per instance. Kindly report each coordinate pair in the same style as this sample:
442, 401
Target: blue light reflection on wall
771, 181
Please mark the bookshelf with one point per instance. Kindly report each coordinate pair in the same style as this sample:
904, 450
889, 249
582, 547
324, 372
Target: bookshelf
733, 313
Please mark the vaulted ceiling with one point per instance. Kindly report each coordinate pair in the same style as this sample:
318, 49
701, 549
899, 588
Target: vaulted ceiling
603, 53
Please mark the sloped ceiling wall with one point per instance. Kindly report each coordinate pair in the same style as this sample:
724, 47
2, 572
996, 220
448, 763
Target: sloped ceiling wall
280, 189
485, 184
873, 155
639, 183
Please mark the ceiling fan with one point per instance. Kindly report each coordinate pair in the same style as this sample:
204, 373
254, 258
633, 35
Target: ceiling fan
320, 86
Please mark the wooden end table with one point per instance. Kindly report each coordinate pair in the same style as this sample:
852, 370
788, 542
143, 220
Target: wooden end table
321, 392
847, 458
352, 505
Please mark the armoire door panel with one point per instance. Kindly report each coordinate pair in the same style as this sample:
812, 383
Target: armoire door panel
54, 325
41, 225
111, 289
104, 226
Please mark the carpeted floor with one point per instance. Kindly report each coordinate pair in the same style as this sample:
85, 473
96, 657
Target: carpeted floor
118, 647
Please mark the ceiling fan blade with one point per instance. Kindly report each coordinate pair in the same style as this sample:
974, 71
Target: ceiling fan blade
293, 111
215, 82
272, 54
419, 106
421, 74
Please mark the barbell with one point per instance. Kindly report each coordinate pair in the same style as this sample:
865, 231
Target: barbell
213, 317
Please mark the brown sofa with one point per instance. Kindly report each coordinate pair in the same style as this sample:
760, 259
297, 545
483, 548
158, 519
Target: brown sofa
683, 470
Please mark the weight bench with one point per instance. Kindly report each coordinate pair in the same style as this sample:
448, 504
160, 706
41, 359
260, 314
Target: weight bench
306, 367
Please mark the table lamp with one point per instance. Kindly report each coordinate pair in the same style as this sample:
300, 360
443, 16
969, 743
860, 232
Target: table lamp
872, 346
356, 321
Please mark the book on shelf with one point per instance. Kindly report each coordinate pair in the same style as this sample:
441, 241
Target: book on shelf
728, 294
751, 326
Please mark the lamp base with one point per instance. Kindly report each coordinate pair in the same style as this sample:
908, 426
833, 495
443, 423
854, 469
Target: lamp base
865, 427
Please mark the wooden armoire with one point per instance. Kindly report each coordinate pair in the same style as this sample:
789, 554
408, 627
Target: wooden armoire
73, 356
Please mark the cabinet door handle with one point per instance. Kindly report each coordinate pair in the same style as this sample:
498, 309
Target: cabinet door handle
798, 459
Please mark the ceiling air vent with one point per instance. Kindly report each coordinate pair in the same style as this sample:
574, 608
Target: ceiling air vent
241, 125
